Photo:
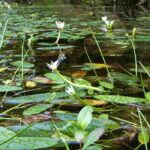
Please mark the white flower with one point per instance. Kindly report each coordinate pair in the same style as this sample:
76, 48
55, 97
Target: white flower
104, 18
70, 90
60, 25
108, 23
53, 65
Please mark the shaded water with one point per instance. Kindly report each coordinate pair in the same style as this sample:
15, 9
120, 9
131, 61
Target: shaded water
39, 19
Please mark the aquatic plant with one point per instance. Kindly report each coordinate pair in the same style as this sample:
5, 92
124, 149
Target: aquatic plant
60, 25
108, 23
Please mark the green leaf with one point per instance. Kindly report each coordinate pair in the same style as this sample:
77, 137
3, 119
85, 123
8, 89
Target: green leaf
9, 88
36, 109
36, 98
65, 115
5, 134
106, 85
94, 147
80, 135
31, 143
93, 137
143, 137
20, 63
54, 77
85, 117
147, 96
124, 78
81, 81
119, 99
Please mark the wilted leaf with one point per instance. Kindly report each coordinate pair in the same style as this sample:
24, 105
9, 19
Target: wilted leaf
30, 84
42, 80
35, 118
78, 74
93, 102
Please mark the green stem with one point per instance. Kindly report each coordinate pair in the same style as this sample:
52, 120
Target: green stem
142, 129
3, 34
58, 37
135, 57
77, 85
101, 53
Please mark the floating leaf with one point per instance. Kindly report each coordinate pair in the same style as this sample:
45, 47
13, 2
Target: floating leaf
93, 137
124, 78
29, 143
55, 78
20, 63
119, 99
97, 66
35, 98
106, 85
35, 118
36, 109
85, 117
9, 88
81, 81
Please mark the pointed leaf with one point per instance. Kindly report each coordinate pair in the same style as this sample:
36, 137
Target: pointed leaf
85, 117
93, 137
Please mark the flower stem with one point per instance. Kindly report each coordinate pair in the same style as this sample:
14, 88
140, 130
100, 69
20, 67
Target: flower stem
77, 85
58, 37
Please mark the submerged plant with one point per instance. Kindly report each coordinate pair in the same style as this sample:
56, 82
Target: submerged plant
108, 23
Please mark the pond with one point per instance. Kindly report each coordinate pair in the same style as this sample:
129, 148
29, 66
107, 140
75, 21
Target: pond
74, 75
